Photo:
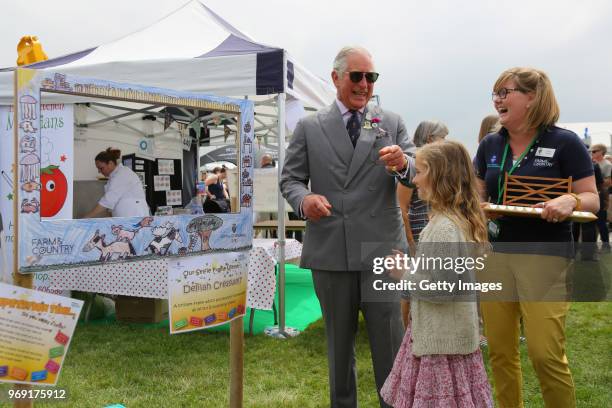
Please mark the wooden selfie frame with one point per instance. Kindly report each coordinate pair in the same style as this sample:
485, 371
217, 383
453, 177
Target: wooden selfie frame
54, 244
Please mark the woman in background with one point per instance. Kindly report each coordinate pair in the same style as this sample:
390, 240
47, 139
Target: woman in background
489, 124
124, 194
218, 196
414, 210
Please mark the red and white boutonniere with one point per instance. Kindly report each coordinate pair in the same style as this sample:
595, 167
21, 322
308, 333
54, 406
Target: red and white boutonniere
373, 120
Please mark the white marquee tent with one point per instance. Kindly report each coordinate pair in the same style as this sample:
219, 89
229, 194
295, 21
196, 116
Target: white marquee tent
194, 49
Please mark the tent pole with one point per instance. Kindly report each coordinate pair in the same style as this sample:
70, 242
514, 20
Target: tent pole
281, 216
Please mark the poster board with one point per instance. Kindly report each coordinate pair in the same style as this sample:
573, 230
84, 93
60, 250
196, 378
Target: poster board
267, 191
37, 328
206, 291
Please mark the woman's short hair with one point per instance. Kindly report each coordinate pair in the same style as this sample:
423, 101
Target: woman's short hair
429, 128
108, 155
490, 124
599, 147
544, 110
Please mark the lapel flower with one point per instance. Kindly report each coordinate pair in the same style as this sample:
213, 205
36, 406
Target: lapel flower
372, 121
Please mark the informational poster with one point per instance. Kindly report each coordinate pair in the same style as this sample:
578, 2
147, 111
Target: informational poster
165, 166
141, 176
56, 167
161, 183
36, 331
206, 291
174, 197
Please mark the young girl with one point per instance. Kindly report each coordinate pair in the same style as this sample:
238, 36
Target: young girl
439, 363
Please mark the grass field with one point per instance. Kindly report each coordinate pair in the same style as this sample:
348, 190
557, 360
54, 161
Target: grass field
143, 366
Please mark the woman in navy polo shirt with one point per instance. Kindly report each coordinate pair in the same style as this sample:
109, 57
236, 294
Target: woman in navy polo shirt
529, 144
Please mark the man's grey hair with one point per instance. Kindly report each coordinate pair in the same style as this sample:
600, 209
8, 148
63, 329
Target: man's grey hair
340, 60
429, 128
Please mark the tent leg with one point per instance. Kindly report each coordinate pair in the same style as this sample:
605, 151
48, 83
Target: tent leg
281, 331
236, 362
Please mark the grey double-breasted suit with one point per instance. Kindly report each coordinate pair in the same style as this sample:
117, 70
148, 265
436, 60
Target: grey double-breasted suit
364, 210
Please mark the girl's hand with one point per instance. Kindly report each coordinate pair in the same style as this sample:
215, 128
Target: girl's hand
558, 209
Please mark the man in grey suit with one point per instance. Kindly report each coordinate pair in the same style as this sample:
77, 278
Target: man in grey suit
351, 153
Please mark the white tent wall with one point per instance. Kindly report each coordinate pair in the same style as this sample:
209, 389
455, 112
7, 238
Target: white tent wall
591, 132
90, 141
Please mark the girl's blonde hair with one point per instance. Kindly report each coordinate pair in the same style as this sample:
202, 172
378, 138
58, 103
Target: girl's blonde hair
453, 187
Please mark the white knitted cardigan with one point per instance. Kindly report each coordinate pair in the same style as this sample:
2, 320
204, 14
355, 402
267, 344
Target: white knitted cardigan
444, 327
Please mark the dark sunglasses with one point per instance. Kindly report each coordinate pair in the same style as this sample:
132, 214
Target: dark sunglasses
356, 76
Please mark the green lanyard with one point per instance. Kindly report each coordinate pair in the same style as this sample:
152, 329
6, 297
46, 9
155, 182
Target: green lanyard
500, 189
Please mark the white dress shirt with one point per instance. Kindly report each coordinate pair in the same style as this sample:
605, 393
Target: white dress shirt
346, 112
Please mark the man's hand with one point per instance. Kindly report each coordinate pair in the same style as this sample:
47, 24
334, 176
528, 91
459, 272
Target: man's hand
316, 206
393, 158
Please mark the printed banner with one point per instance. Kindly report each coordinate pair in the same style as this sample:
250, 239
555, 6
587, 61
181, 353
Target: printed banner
36, 331
56, 125
206, 291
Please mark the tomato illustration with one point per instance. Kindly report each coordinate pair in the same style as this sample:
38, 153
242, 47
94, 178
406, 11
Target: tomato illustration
54, 190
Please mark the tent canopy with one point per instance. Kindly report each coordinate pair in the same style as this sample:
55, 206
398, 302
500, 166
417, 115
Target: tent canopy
191, 49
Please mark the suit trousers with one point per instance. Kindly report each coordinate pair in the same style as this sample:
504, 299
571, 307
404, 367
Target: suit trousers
339, 293
544, 324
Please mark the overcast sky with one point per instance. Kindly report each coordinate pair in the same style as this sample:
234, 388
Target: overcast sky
437, 59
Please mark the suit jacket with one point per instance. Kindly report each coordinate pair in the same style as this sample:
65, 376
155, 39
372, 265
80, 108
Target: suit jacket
362, 193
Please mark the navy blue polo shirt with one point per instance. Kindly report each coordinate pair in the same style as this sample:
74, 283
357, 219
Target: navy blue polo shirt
557, 153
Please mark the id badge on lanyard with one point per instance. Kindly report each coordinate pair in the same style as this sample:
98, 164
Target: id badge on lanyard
494, 226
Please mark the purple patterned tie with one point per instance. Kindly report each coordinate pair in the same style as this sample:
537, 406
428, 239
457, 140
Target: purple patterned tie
353, 126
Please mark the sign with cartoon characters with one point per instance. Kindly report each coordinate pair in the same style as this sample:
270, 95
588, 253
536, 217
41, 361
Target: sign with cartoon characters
45, 243
57, 134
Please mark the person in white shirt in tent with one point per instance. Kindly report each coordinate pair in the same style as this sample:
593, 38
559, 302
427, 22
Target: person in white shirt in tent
124, 194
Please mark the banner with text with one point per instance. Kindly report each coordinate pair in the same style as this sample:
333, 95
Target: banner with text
56, 167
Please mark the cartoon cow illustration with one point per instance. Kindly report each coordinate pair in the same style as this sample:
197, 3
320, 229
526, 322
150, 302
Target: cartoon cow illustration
163, 236
114, 250
123, 234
